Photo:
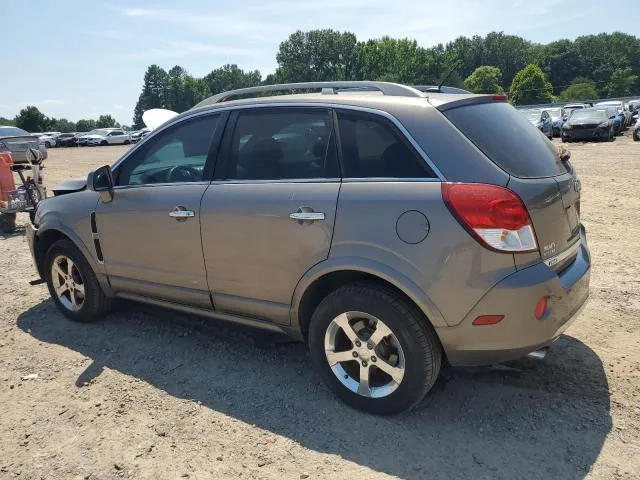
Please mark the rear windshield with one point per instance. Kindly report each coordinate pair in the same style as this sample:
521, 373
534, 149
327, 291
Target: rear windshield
508, 139
12, 132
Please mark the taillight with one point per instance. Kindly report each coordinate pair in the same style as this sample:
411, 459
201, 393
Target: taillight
494, 215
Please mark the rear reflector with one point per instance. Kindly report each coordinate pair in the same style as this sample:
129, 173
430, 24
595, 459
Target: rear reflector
488, 319
541, 307
499, 97
494, 215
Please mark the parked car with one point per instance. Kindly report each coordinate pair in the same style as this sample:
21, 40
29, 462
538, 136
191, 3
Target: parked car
108, 136
556, 118
614, 116
18, 141
66, 140
540, 119
48, 138
387, 232
588, 124
636, 132
625, 115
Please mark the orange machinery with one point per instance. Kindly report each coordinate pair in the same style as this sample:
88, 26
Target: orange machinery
6, 178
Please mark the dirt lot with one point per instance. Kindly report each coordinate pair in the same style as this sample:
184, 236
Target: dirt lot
152, 394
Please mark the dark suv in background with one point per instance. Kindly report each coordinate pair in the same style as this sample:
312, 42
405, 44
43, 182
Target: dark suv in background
389, 229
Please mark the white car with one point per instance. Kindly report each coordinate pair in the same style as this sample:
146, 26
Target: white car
48, 138
108, 136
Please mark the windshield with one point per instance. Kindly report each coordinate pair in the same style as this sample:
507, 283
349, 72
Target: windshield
555, 113
531, 115
12, 131
98, 131
589, 115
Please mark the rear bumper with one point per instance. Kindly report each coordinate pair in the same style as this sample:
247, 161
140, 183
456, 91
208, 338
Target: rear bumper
515, 297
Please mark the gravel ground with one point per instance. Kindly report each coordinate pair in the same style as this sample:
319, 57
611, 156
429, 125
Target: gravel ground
147, 393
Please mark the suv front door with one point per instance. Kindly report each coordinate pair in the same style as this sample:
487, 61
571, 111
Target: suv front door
268, 216
150, 232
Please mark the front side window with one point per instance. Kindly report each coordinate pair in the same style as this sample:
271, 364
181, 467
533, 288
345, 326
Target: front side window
178, 154
279, 144
373, 148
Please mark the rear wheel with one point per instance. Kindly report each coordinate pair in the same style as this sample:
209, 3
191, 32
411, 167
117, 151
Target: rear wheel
127, 142
73, 285
7, 222
373, 349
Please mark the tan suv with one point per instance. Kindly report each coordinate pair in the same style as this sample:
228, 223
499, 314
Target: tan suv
387, 228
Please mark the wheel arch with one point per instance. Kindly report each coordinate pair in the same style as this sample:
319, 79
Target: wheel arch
328, 276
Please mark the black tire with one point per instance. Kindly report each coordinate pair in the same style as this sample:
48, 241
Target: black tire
421, 347
612, 136
127, 142
7, 222
565, 139
104, 142
95, 303
47, 144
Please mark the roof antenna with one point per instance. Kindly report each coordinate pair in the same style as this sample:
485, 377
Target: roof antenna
455, 65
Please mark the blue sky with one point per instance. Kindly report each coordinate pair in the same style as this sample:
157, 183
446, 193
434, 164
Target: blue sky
80, 59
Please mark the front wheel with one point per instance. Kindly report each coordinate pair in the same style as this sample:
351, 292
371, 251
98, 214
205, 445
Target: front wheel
374, 349
73, 285
104, 142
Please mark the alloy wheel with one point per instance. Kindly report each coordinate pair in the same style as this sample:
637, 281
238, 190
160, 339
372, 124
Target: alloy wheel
364, 354
67, 283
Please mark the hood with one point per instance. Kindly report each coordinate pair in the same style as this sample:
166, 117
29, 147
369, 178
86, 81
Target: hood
71, 185
157, 116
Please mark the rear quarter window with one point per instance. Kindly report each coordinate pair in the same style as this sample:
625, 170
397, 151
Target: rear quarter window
508, 139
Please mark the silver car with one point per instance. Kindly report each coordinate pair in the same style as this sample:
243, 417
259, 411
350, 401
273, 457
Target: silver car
390, 232
18, 142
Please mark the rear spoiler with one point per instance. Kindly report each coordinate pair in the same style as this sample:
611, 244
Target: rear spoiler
465, 100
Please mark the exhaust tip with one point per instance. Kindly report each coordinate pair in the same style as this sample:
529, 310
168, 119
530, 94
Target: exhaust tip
538, 354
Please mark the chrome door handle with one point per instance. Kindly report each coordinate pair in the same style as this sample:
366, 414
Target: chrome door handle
181, 213
307, 216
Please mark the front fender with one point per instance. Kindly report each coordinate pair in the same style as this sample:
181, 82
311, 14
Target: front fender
365, 265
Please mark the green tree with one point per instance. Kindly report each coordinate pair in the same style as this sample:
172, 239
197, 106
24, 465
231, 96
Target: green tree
530, 86
229, 77
580, 89
317, 55
32, 120
153, 95
485, 79
106, 121
61, 125
5, 122
393, 60
561, 63
85, 125
621, 83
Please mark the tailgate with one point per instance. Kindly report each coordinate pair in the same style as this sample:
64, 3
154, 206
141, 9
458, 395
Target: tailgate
554, 207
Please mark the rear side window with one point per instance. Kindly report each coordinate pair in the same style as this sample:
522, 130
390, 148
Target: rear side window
373, 148
508, 139
281, 144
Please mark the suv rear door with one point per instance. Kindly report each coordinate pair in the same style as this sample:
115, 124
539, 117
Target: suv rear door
269, 215
548, 186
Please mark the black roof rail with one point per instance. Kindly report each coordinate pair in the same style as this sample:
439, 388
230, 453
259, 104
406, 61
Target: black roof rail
327, 88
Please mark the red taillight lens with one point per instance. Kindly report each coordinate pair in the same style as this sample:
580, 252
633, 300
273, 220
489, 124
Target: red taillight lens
541, 307
494, 215
499, 97
488, 319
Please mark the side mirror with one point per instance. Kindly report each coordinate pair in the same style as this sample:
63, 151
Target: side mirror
101, 180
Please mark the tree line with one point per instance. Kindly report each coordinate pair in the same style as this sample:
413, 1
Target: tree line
33, 120
592, 66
